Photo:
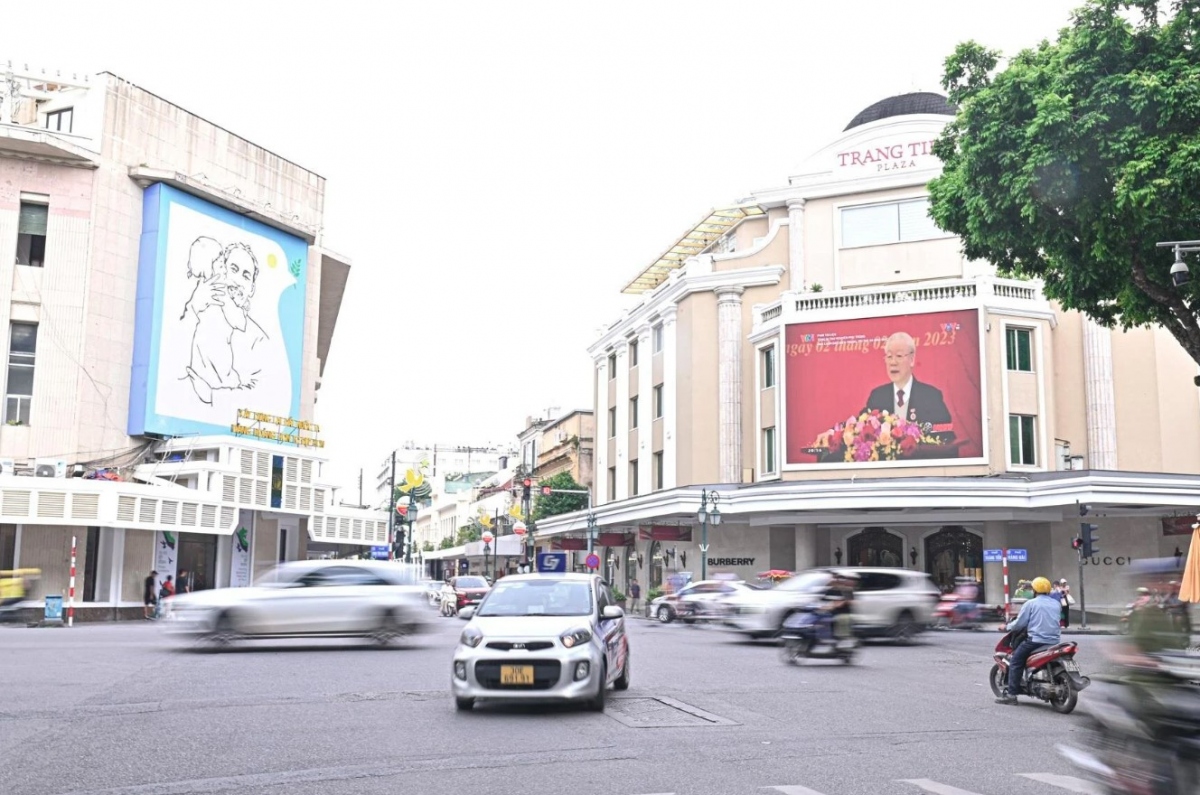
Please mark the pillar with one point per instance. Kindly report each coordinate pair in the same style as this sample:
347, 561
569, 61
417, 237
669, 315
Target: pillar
729, 374
670, 418
623, 452
1101, 396
645, 376
600, 448
795, 245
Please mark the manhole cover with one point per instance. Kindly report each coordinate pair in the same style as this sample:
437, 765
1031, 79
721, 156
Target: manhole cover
661, 713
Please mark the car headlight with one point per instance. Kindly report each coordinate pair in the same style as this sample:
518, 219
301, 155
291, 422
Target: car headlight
471, 637
575, 638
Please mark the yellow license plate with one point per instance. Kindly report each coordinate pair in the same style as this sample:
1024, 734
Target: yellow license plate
516, 674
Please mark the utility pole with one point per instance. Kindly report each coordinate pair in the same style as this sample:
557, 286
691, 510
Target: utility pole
392, 511
360, 474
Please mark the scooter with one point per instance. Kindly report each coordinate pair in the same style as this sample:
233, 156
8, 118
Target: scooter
1051, 673
806, 634
15, 588
948, 615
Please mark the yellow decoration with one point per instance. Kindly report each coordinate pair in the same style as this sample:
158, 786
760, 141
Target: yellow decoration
485, 520
515, 511
272, 261
412, 480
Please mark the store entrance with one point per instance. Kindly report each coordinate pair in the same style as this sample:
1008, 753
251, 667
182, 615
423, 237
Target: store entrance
953, 552
198, 555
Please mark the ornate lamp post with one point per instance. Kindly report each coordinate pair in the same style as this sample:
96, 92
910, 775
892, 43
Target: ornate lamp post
487, 543
707, 514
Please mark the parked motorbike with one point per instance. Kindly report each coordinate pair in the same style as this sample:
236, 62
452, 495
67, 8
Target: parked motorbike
1051, 673
805, 635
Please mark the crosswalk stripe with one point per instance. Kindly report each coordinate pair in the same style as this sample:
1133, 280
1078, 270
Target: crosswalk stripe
936, 788
1069, 783
795, 790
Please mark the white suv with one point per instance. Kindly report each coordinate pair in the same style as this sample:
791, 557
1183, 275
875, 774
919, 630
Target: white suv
888, 602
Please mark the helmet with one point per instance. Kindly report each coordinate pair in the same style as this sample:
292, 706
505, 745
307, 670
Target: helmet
1041, 585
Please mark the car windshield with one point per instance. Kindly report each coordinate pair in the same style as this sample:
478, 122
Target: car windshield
538, 598
470, 582
808, 581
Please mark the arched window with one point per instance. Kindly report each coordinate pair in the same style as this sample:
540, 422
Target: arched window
875, 546
953, 552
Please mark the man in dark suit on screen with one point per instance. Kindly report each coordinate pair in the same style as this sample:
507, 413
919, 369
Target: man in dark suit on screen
905, 396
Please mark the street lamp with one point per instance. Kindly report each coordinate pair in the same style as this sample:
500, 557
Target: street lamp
707, 514
487, 543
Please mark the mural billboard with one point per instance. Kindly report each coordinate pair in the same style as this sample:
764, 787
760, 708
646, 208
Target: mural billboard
905, 389
220, 318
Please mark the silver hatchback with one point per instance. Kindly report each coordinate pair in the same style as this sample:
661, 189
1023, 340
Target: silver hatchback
543, 636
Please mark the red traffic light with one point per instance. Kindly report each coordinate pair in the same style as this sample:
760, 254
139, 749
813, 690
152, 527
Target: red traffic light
1077, 543
527, 482
546, 491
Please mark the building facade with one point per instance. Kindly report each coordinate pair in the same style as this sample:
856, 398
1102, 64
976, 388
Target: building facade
168, 304
447, 467
823, 359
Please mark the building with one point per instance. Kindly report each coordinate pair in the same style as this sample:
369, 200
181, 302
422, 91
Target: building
168, 304
764, 333
447, 467
565, 444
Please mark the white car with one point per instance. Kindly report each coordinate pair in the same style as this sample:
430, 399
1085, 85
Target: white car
330, 598
888, 602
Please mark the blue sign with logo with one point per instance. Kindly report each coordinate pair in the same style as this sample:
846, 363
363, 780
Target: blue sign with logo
993, 555
1018, 556
379, 553
53, 607
552, 561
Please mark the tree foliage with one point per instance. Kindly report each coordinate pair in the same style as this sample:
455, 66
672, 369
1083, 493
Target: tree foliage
467, 534
1075, 159
446, 543
554, 504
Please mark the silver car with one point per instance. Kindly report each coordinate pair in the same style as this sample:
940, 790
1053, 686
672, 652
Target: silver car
331, 598
542, 636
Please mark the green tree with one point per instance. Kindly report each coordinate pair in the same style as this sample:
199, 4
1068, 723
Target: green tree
1072, 161
446, 543
554, 504
466, 534
427, 546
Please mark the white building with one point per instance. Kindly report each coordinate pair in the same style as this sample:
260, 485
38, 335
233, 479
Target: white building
168, 304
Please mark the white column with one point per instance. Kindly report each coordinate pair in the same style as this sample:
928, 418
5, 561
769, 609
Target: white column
600, 453
670, 418
645, 410
795, 245
729, 374
622, 461
1101, 396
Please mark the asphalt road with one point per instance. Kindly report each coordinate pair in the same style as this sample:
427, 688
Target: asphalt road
116, 710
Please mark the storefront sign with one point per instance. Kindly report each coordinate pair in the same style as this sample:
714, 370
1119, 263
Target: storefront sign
239, 555
731, 561
888, 156
277, 429
1120, 560
166, 555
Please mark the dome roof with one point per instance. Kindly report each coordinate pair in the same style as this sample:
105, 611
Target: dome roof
903, 105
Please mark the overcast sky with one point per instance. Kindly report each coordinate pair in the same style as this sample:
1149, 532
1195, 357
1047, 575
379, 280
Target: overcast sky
497, 171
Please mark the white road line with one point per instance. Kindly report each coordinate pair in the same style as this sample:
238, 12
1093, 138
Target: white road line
795, 790
1069, 783
936, 788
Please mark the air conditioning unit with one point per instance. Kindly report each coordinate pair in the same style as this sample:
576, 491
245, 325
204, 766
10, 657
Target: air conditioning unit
50, 468
8, 466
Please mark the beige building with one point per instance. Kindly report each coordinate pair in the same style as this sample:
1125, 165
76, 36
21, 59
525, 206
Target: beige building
567, 445
765, 335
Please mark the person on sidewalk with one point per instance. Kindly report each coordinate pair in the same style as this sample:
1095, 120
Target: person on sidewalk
635, 597
150, 595
1039, 617
1065, 600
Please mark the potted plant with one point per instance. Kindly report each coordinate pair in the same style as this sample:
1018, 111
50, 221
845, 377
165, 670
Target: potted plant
619, 598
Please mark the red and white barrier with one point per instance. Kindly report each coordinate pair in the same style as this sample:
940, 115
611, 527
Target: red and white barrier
71, 592
1007, 601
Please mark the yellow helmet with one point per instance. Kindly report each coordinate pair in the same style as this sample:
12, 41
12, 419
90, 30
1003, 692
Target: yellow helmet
1041, 585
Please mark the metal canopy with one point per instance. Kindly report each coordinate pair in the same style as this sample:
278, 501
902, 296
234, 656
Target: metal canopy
711, 227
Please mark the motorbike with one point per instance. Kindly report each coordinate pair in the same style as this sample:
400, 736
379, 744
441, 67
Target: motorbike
15, 588
805, 636
1051, 673
947, 614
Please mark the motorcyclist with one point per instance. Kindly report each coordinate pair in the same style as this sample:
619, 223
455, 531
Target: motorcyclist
1039, 617
837, 606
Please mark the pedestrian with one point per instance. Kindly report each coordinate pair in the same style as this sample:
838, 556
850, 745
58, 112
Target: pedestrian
635, 596
185, 583
1065, 600
149, 595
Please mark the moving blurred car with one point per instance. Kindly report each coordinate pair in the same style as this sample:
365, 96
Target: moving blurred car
460, 592
543, 636
697, 601
433, 591
888, 602
312, 598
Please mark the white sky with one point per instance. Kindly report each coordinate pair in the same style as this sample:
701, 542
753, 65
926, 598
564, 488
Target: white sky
497, 171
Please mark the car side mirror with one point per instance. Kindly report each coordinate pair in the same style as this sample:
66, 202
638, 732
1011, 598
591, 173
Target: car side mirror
467, 613
612, 612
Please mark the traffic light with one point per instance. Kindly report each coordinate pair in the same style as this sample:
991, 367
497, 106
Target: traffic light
1076, 543
526, 485
547, 491
1087, 538
398, 548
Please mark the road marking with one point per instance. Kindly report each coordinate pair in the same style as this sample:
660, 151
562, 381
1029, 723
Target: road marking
795, 790
936, 788
1069, 783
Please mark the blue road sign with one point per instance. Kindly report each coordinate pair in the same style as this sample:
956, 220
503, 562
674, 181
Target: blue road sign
53, 607
993, 555
592, 561
1018, 555
379, 553
552, 561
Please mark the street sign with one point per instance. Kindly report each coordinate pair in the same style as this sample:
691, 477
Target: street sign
380, 553
993, 555
593, 561
552, 561
1018, 556
519, 528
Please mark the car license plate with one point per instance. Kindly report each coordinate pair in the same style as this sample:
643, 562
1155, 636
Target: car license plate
516, 674
1071, 665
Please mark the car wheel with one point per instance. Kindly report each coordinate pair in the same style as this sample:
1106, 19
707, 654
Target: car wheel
905, 629
597, 704
464, 704
622, 682
665, 615
389, 629
224, 632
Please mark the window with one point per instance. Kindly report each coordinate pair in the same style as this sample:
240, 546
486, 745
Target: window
768, 367
612, 422
1022, 449
60, 120
22, 345
633, 353
658, 471
658, 401
633, 478
657, 334
880, 224
612, 482
633, 412
768, 450
612, 366
31, 234
1019, 341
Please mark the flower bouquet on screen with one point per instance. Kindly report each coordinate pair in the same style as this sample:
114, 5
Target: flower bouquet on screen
875, 436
